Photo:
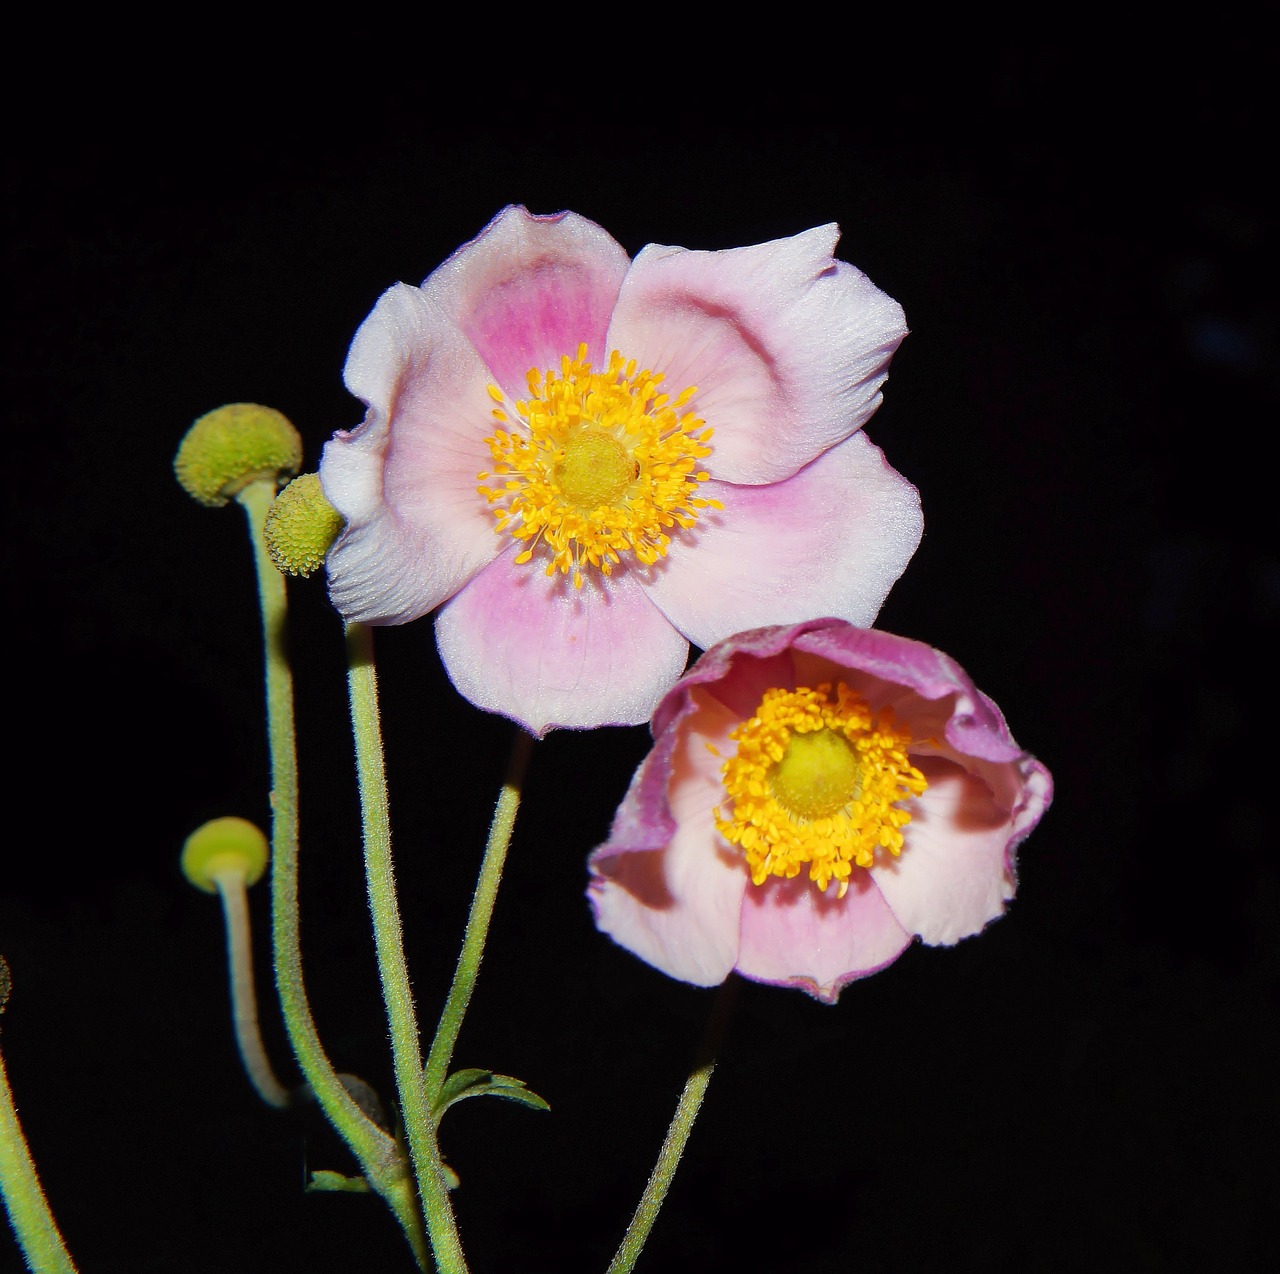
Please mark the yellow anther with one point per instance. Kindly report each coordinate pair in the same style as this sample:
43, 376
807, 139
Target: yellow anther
596, 467
818, 781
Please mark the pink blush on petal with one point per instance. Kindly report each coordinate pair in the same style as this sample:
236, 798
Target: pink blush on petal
793, 934
549, 655
529, 289
953, 876
533, 321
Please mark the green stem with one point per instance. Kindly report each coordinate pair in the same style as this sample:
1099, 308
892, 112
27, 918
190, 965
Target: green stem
28, 1209
495, 855
673, 1144
380, 1157
411, 1085
244, 997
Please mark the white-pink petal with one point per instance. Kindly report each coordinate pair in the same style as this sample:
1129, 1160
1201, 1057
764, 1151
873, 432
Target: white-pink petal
788, 347
405, 480
796, 935
954, 873
548, 655
529, 289
829, 541
678, 908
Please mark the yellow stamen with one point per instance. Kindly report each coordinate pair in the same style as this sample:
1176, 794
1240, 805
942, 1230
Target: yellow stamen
817, 779
596, 465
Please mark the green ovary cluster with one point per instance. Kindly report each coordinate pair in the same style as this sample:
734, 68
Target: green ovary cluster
817, 776
596, 470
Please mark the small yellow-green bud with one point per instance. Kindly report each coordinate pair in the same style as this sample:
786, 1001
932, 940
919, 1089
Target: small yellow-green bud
224, 844
232, 446
301, 526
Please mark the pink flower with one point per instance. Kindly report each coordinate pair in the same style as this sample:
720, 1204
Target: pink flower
588, 462
816, 796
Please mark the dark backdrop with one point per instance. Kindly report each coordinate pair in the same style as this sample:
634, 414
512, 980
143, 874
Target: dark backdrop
1083, 249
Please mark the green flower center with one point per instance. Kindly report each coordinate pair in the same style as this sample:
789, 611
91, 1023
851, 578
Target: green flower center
817, 776
596, 470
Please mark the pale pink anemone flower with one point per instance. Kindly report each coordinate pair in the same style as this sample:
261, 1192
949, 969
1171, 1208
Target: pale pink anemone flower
816, 797
588, 462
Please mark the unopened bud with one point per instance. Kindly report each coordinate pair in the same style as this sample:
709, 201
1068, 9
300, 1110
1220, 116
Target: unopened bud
222, 845
232, 446
301, 527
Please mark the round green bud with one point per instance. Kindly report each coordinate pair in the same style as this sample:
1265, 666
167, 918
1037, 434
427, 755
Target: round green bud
227, 449
224, 844
301, 527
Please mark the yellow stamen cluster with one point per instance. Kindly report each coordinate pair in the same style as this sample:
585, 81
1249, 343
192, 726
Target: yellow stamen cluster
818, 779
597, 464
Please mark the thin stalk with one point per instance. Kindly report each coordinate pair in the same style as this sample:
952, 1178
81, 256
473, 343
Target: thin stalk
244, 996
384, 907
29, 1211
380, 1157
673, 1144
495, 856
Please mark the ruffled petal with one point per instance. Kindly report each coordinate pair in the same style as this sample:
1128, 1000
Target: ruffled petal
787, 346
405, 480
829, 541
795, 935
549, 655
665, 885
529, 289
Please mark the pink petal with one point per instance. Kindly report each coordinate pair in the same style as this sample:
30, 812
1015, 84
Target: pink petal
549, 655
787, 346
529, 289
795, 935
955, 873
829, 541
677, 905
405, 480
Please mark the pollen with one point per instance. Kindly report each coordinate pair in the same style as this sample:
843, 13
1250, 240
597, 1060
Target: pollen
820, 782
594, 467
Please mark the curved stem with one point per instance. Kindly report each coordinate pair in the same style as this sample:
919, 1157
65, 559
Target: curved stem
29, 1211
415, 1107
380, 1157
495, 856
673, 1144
244, 998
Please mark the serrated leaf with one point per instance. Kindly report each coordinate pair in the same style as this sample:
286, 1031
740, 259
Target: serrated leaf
472, 1082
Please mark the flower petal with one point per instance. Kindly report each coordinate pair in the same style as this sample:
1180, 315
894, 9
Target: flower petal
956, 870
665, 885
787, 346
549, 655
529, 289
794, 935
405, 479
829, 541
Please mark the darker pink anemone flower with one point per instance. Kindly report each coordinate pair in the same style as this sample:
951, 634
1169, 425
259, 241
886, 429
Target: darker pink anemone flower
588, 462
817, 795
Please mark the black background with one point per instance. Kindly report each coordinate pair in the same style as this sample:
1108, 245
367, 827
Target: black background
1084, 249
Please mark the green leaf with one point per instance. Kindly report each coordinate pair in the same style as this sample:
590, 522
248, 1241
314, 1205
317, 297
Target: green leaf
482, 1083
336, 1181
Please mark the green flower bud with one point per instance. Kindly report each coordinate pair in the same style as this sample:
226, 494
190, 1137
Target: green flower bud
301, 527
232, 446
224, 844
